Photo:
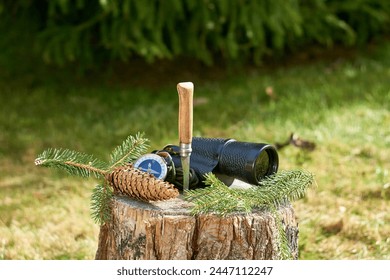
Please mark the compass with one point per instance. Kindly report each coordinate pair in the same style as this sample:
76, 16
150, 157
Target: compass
153, 164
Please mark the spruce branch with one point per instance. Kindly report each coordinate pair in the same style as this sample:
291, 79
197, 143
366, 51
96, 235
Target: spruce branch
80, 164
131, 149
73, 162
273, 191
101, 204
216, 197
286, 185
285, 251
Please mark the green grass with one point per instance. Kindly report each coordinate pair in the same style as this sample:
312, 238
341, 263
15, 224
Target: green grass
340, 104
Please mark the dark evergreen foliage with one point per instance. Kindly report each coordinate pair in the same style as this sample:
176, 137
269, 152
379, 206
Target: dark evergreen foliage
235, 30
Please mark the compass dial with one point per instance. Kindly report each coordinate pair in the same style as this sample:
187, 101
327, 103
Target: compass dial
153, 164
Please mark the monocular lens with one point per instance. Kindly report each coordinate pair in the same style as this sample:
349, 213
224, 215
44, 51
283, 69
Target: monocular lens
262, 165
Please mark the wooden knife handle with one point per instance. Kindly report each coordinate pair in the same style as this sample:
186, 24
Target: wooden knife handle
186, 93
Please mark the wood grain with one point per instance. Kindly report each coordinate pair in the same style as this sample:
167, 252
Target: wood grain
166, 230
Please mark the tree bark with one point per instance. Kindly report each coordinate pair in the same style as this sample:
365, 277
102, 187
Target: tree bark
166, 230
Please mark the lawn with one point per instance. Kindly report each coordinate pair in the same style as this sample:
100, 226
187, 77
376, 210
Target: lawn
341, 104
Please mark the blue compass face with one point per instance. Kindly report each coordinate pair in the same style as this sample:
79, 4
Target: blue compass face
153, 164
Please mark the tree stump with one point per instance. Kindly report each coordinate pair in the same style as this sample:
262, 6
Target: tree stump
166, 230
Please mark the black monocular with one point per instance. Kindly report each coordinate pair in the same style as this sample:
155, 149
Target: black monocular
246, 161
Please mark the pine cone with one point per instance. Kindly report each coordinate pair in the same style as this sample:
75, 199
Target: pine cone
129, 181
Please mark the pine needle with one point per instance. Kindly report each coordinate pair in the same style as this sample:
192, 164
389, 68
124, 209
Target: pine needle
131, 149
75, 163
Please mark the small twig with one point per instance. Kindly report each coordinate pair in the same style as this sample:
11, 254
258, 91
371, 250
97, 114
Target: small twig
87, 167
